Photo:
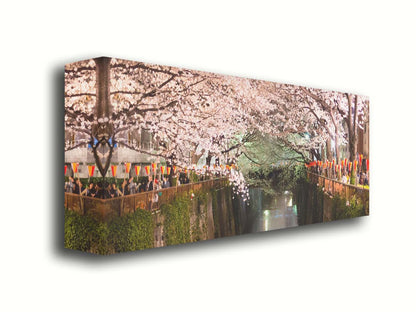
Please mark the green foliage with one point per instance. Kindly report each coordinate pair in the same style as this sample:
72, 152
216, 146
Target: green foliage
135, 231
353, 177
348, 209
300, 173
193, 177
262, 151
131, 232
177, 214
95, 180
78, 231
127, 233
196, 232
99, 239
177, 220
278, 179
215, 213
201, 199
312, 201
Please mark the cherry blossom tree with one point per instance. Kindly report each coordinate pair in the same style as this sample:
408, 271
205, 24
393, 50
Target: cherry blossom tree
192, 114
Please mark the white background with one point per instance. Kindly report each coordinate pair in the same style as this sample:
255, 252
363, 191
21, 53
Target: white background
367, 264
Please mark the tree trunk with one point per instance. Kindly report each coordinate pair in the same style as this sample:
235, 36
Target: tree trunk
104, 130
323, 154
329, 157
352, 128
328, 150
208, 159
103, 104
336, 146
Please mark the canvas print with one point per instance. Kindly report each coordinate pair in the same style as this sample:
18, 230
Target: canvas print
158, 156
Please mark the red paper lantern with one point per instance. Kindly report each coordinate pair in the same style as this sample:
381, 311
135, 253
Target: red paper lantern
75, 167
168, 170
65, 170
114, 170
368, 165
154, 167
147, 168
91, 170
137, 168
127, 166
162, 169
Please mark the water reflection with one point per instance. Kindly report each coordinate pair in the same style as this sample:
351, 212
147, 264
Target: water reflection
273, 212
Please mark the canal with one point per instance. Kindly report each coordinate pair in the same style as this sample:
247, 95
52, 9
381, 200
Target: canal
270, 211
207, 214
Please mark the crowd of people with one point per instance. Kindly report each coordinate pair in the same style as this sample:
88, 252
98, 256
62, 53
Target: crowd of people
106, 190
344, 175
362, 178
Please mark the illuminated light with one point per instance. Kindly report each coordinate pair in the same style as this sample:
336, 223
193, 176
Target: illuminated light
295, 209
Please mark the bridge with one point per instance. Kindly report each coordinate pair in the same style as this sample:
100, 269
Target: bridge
106, 209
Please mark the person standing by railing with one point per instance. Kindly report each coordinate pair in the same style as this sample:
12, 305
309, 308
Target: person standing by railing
124, 188
366, 179
165, 183
149, 185
132, 186
102, 191
114, 191
69, 186
91, 190
79, 188
141, 187
344, 178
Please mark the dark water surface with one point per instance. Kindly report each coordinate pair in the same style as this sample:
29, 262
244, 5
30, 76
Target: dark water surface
271, 211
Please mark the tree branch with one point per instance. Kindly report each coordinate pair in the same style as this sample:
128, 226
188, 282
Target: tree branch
79, 94
79, 69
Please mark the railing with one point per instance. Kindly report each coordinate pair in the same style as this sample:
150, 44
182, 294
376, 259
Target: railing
105, 209
334, 187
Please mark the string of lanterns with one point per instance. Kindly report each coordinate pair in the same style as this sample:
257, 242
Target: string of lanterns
341, 165
149, 169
